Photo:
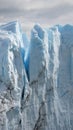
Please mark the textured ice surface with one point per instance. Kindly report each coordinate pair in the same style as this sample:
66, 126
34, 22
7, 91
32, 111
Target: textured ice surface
36, 78
13, 79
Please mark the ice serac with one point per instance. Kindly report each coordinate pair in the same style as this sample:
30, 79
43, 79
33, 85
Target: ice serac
38, 53
14, 28
13, 79
46, 110
34, 113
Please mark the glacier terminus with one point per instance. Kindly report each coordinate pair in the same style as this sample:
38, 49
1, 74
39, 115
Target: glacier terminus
36, 78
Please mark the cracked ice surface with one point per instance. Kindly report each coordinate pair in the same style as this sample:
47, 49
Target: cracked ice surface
36, 79
12, 73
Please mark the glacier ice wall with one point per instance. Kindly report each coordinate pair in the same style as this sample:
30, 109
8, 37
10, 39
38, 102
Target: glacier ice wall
13, 79
36, 78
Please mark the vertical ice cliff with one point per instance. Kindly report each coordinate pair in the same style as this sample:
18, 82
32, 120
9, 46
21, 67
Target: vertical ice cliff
34, 113
50, 78
36, 79
12, 75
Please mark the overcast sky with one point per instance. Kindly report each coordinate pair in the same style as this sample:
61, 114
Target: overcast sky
29, 12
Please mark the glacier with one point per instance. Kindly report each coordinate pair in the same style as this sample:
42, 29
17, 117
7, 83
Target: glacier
36, 78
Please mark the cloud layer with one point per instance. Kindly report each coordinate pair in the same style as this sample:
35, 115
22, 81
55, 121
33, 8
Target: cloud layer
46, 12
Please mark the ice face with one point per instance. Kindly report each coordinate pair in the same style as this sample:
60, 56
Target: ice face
50, 72
12, 84
38, 53
36, 78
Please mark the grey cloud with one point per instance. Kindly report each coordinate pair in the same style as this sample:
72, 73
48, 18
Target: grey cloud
34, 11
53, 12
